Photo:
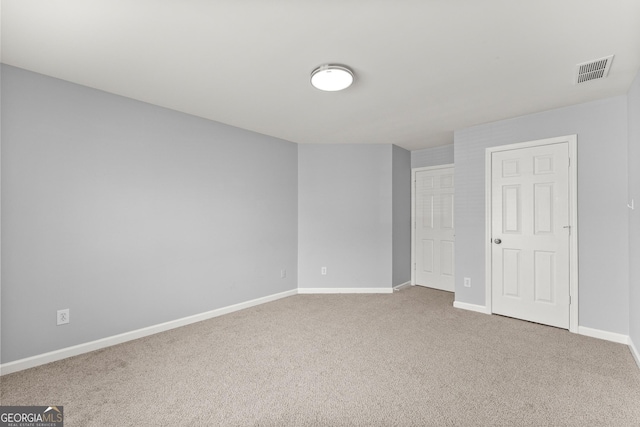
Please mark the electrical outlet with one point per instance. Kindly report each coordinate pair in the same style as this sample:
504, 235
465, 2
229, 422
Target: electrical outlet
323, 271
467, 282
63, 317
283, 273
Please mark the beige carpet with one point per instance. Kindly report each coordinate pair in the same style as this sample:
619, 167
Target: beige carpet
406, 359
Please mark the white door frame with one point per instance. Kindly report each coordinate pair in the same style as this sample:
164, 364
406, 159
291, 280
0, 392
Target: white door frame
573, 218
414, 171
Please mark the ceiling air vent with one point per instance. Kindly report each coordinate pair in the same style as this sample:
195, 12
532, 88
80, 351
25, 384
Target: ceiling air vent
593, 70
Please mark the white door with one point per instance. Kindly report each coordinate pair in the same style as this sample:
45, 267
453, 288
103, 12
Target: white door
434, 228
530, 233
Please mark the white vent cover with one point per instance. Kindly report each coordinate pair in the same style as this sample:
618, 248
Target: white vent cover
592, 70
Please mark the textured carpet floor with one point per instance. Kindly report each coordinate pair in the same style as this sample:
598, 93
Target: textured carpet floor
406, 359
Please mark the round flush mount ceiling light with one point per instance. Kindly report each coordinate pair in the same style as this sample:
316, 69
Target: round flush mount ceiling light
331, 77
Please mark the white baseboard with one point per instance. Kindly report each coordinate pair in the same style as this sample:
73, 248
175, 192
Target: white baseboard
634, 352
345, 290
52, 356
471, 307
603, 335
401, 286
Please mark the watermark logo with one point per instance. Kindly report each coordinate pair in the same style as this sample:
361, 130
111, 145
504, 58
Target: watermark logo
31, 416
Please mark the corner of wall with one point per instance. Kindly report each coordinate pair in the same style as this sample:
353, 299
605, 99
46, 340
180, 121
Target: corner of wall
401, 216
633, 199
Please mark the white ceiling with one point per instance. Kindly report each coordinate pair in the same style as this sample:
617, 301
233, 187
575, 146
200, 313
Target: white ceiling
423, 68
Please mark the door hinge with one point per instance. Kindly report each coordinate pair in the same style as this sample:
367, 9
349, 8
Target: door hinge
569, 299
568, 227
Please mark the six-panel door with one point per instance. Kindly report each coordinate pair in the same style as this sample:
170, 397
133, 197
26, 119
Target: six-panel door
530, 234
434, 260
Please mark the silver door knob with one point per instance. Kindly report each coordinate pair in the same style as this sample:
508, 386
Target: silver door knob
497, 241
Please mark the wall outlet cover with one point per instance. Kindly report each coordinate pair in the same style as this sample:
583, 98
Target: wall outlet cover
63, 317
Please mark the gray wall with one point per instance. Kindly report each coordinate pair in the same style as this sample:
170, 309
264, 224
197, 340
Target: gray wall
132, 215
345, 216
401, 215
634, 215
602, 203
435, 156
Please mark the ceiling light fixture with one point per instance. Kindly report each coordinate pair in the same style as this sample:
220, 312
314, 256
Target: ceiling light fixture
331, 77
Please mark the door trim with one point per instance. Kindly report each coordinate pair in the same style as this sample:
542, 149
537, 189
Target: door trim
572, 141
414, 171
